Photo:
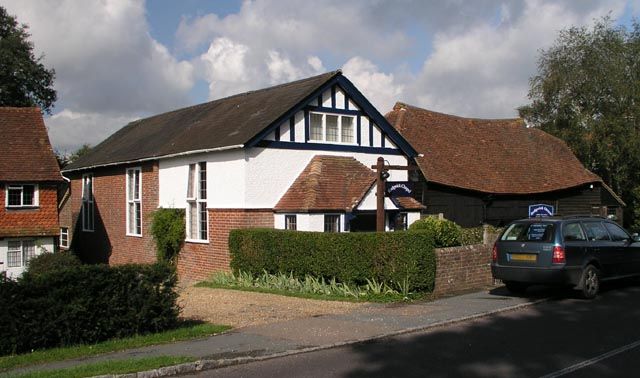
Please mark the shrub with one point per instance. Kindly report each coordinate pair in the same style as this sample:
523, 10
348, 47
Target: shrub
445, 233
391, 258
475, 235
85, 304
168, 230
48, 262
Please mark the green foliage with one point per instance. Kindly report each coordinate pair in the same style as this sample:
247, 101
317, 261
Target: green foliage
445, 233
587, 93
86, 304
349, 258
475, 235
287, 282
24, 80
48, 262
168, 230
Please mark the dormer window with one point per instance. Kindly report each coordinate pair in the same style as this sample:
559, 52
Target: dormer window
22, 195
331, 128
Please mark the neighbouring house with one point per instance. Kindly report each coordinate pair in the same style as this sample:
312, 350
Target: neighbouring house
294, 156
476, 171
29, 182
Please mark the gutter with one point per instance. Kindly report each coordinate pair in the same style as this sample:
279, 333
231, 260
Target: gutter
236, 146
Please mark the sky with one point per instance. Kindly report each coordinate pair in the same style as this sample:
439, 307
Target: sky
121, 60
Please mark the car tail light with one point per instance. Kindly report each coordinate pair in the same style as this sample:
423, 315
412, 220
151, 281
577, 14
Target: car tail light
558, 255
494, 254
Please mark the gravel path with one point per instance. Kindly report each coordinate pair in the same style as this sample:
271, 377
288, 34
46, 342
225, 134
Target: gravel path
241, 308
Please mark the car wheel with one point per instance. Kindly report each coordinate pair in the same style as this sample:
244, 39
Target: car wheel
590, 282
516, 287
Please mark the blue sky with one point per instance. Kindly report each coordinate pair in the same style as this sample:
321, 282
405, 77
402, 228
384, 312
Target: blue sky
120, 60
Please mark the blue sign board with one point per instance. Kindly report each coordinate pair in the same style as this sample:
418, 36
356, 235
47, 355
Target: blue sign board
541, 210
399, 189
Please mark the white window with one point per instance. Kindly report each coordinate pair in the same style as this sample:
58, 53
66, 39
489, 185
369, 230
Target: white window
197, 217
19, 252
87, 202
290, 222
22, 195
331, 128
134, 202
332, 223
64, 237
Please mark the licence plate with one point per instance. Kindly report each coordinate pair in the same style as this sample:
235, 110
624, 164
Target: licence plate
527, 257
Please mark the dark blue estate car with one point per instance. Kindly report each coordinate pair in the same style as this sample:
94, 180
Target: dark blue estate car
574, 251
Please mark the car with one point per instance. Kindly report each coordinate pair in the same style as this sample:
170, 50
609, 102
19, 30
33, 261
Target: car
576, 251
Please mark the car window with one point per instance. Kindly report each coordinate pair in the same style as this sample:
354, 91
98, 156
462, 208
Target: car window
596, 231
617, 233
532, 232
573, 232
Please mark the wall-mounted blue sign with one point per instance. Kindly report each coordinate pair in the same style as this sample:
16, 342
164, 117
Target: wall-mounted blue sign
399, 189
541, 210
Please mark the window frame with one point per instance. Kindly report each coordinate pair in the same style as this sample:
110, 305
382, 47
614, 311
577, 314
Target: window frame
22, 252
340, 132
338, 221
197, 197
287, 222
135, 202
20, 186
64, 231
88, 224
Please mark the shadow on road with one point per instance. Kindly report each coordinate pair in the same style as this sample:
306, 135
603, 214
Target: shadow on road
532, 342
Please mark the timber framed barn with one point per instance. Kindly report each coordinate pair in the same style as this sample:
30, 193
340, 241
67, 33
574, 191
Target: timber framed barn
294, 156
477, 171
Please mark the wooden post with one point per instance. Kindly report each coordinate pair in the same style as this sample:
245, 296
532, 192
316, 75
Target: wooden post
380, 195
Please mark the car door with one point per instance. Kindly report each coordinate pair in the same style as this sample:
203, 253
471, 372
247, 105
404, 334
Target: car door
601, 246
629, 250
575, 243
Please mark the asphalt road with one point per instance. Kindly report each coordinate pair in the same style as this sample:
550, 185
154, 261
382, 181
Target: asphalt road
564, 337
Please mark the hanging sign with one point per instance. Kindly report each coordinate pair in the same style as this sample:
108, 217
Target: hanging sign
399, 189
541, 210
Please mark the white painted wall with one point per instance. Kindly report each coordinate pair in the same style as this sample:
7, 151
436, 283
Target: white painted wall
43, 245
412, 217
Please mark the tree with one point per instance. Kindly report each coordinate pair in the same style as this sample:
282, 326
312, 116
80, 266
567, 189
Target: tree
24, 80
587, 93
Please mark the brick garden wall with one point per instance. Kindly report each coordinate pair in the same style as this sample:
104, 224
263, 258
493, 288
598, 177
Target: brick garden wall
463, 268
197, 261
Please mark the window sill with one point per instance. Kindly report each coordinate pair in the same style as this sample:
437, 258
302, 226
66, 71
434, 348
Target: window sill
196, 241
34, 207
329, 142
134, 235
83, 230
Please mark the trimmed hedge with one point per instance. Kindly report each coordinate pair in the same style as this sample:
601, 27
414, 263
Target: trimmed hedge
390, 257
168, 230
47, 262
85, 304
445, 233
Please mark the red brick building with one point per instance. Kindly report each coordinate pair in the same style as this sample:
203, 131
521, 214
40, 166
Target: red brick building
29, 182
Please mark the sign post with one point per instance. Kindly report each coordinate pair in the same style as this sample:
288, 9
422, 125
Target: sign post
382, 174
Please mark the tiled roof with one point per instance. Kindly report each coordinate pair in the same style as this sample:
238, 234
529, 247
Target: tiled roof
26, 152
408, 203
500, 156
226, 122
328, 183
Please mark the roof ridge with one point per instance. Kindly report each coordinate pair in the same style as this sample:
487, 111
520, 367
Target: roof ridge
21, 109
401, 105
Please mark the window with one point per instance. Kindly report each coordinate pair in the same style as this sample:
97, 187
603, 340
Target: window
23, 195
596, 231
290, 222
399, 222
87, 202
331, 128
573, 232
331, 223
197, 217
617, 233
529, 232
19, 252
64, 237
134, 202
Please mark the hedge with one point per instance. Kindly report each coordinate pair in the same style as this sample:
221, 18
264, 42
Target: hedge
85, 304
390, 257
445, 233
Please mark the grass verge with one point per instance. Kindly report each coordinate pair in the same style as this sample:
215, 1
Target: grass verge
187, 331
131, 365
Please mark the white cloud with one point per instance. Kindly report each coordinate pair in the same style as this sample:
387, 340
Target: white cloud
379, 88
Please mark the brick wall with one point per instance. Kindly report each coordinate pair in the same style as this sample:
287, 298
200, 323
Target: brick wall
462, 269
197, 261
40, 221
108, 243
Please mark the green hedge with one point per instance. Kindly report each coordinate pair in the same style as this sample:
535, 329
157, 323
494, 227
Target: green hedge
85, 304
390, 257
445, 233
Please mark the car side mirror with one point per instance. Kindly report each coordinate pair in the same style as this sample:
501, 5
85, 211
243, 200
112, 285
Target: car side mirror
635, 237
